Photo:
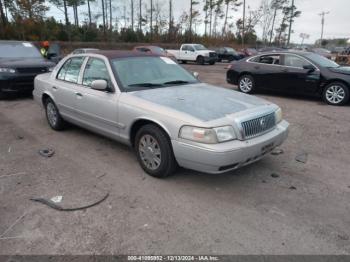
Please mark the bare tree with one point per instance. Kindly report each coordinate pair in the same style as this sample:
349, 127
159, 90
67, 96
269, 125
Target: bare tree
229, 4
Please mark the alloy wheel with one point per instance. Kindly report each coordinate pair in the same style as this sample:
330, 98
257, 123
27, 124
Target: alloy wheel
246, 85
335, 94
51, 113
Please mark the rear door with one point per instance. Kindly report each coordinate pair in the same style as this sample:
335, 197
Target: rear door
266, 70
64, 87
98, 109
296, 78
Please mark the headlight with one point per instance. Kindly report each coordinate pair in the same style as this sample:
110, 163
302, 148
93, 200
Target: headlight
7, 70
207, 135
278, 115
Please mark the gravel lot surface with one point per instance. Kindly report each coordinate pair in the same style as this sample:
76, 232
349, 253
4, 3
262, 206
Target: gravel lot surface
275, 206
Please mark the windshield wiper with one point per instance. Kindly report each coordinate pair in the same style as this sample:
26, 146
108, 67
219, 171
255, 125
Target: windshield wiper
176, 82
146, 85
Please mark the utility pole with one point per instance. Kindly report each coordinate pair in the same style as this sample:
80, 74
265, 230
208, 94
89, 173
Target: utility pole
290, 21
322, 24
243, 29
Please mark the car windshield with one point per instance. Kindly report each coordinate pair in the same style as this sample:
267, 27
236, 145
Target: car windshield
200, 47
138, 73
321, 60
231, 50
18, 50
158, 50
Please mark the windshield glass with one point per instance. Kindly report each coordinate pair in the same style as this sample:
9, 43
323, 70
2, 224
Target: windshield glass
158, 50
321, 60
231, 50
138, 73
18, 50
200, 47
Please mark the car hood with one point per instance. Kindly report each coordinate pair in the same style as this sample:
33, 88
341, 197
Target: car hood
341, 69
202, 101
25, 62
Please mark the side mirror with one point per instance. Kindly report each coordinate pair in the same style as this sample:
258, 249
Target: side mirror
100, 85
195, 74
310, 68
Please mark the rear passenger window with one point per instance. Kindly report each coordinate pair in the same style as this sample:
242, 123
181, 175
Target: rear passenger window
70, 70
269, 59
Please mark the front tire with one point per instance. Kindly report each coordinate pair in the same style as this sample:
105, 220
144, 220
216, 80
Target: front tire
53, 116
212, 63
200, 60
154, 151
336, 94
246, 84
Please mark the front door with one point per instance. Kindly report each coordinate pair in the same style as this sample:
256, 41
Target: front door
98, 109
296, 77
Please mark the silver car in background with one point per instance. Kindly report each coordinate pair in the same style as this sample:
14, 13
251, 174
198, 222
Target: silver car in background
161, 110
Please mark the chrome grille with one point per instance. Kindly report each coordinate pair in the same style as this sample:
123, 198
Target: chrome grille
258, 126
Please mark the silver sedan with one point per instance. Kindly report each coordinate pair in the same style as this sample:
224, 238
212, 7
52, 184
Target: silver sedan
161, 110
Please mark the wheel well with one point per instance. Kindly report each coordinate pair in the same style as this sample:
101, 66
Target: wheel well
140, 123
244, 73
44, 98
335, 80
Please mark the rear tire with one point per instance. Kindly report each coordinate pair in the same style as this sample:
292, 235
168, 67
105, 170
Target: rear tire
212, 63
53, 116
246, 84
336, 94
154, 152
200, 60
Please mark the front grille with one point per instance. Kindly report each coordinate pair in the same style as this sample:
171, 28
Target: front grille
258, 126
32, 70
213, 54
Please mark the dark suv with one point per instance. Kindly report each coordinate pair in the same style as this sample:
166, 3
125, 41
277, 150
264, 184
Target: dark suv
20, 62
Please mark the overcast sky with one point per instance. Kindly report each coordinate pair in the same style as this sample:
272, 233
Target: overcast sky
337, 22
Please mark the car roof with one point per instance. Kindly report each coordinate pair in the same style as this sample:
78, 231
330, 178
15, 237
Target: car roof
302, 53
113, 54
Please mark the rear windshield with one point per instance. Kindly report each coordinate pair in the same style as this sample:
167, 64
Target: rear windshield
20, 50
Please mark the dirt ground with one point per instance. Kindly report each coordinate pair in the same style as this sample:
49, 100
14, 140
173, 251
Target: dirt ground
274, 206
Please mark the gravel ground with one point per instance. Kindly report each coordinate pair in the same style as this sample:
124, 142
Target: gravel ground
274, 206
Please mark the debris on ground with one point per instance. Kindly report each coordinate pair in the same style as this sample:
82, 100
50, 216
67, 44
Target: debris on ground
343, 237
9, 149
277, 151
274, 175
263, 181
59, 208
57, 199
325, 116
292, 188
14, 174
47, 152
104, 174
19, 137
301, 157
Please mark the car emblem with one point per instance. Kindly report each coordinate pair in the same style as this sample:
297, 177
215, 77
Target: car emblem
262, 122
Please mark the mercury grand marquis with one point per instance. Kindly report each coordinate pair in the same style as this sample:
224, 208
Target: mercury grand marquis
161, 110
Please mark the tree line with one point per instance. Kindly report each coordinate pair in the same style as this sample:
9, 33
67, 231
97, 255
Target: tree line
149, 21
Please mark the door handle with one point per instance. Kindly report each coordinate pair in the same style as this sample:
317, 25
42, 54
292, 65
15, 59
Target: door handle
257, 67
78, 94
54, 87
284, 70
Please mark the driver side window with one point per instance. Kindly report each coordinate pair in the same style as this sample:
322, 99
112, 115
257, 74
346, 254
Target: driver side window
95, 69
295, 61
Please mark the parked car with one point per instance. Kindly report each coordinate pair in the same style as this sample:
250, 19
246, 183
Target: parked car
20, 62
323, 52
228, 54
84, 50
152, 104
156, 50
54, 53
249, 51
296, 72
346, 51
271, 49
195, 53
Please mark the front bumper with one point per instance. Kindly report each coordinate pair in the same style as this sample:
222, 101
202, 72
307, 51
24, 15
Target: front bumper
17, 83
223, 157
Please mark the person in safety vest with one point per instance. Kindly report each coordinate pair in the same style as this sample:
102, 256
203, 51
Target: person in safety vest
44, 48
